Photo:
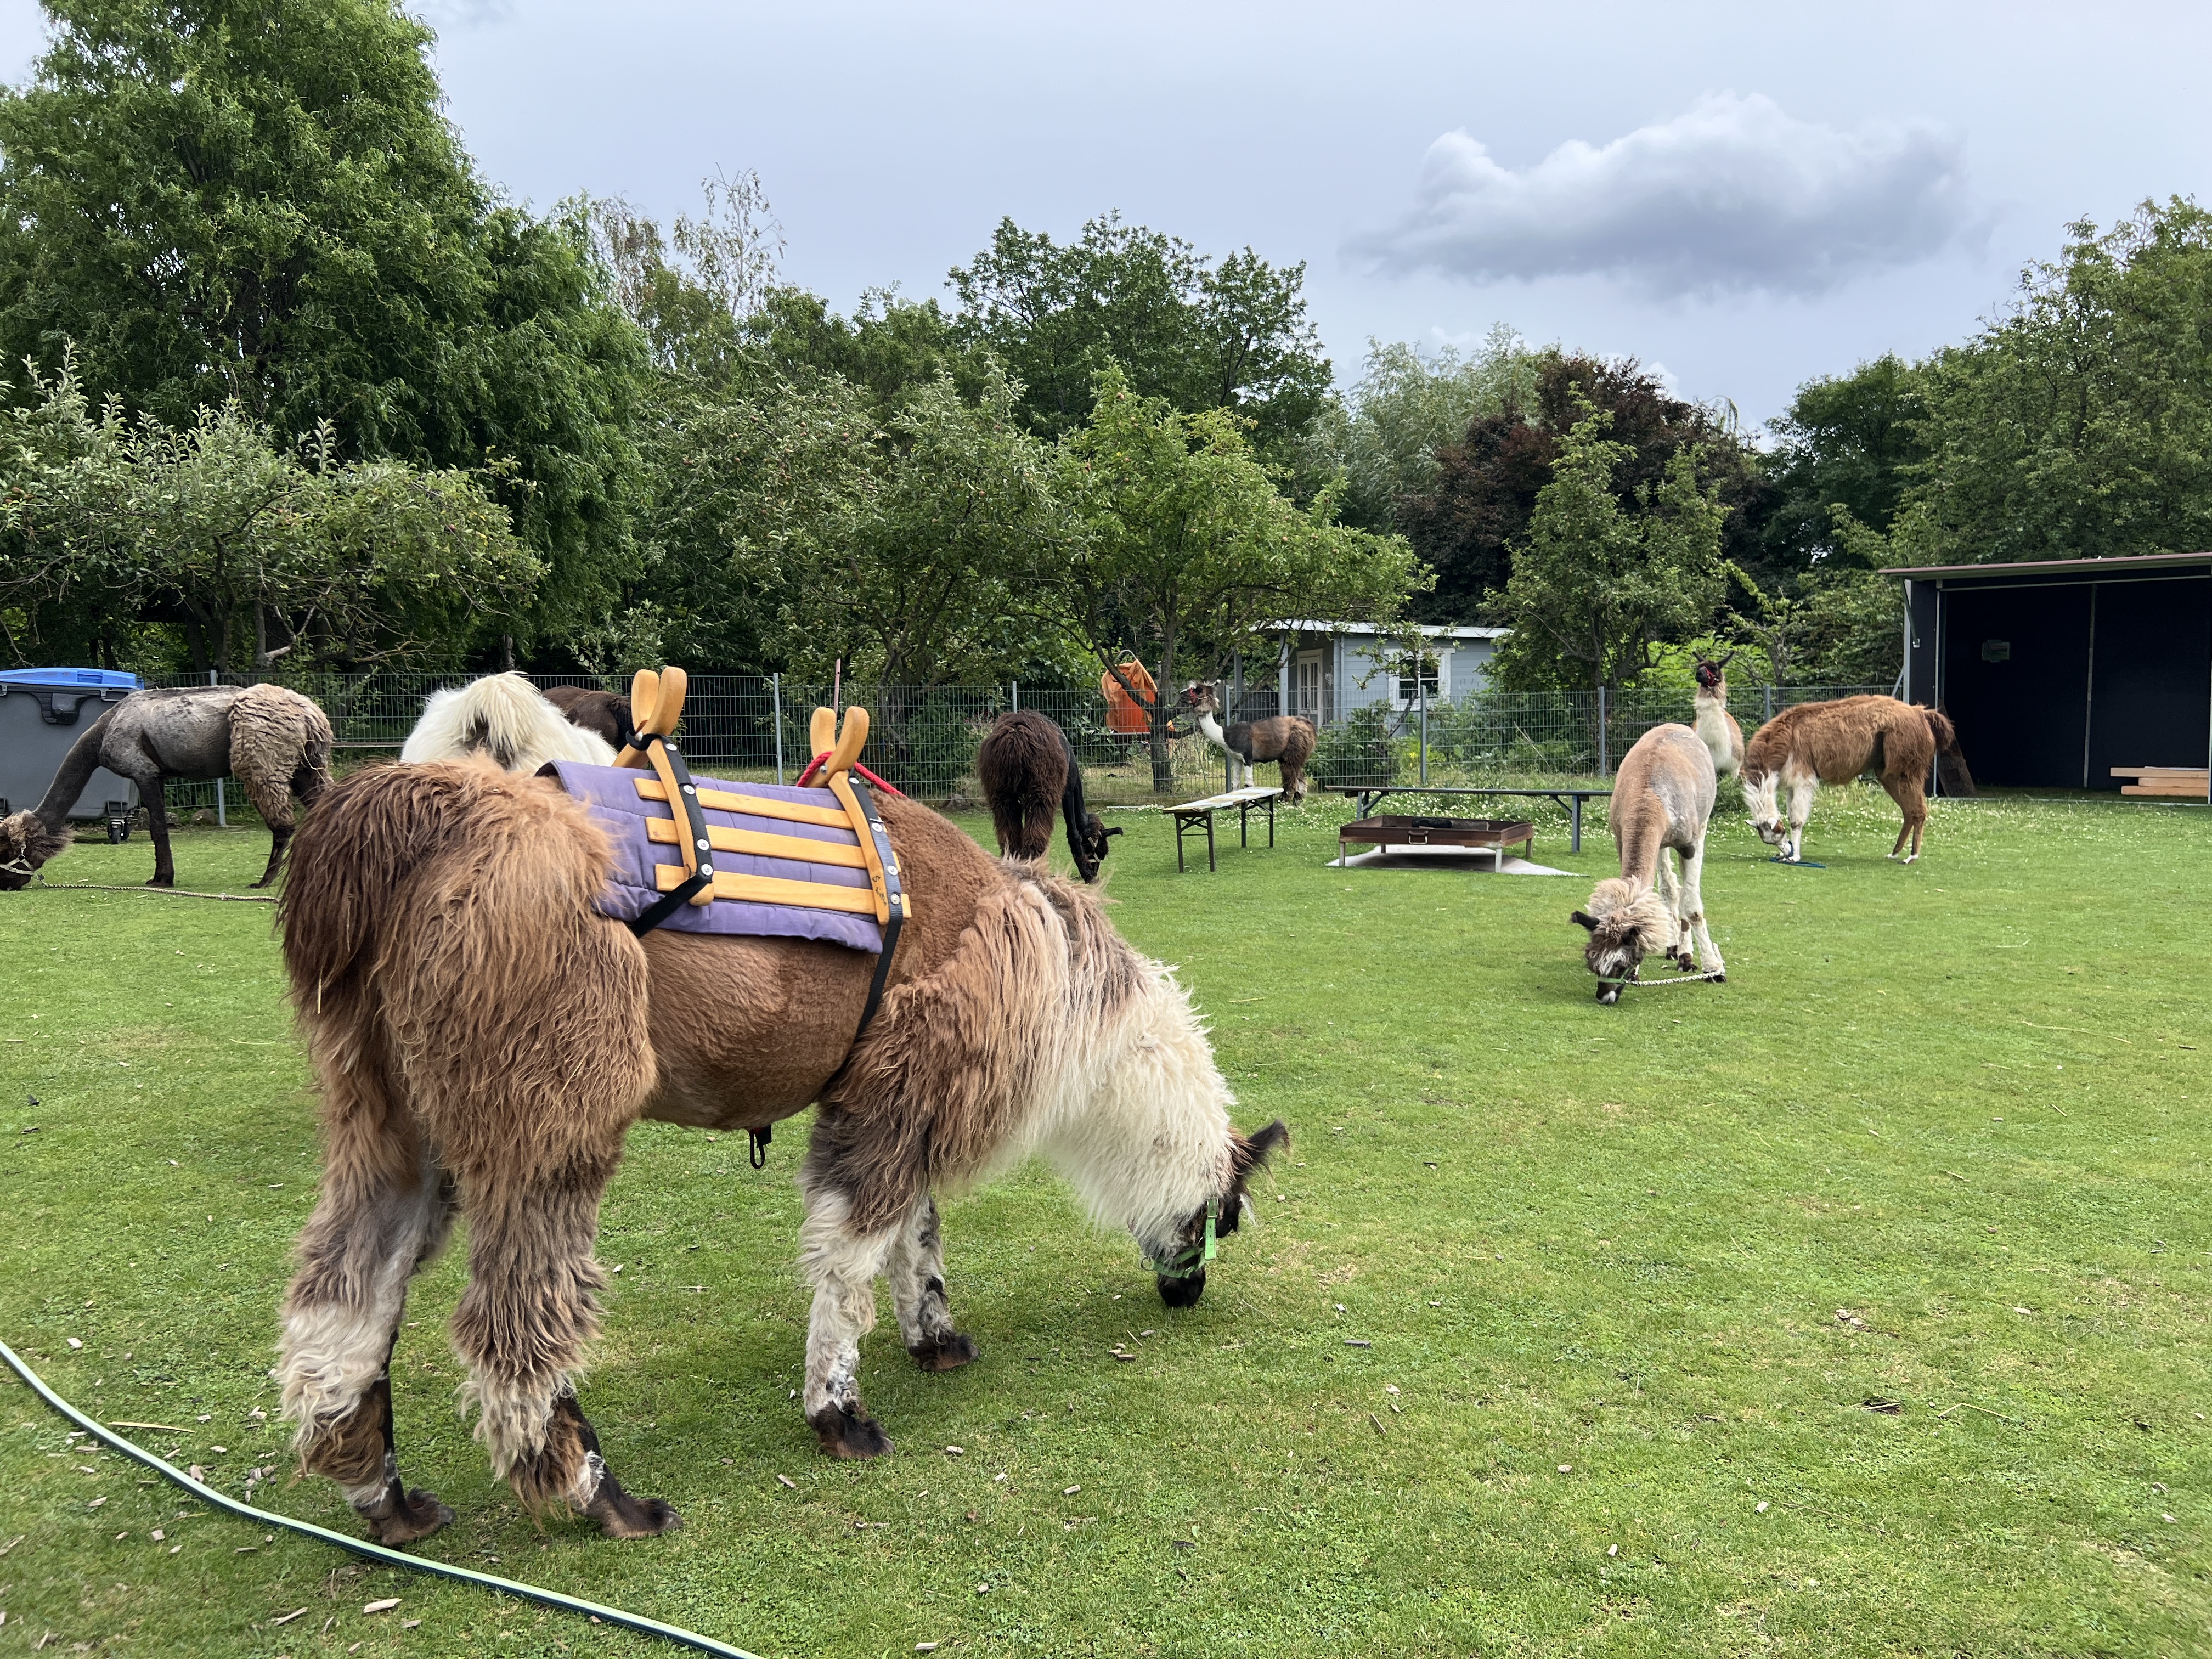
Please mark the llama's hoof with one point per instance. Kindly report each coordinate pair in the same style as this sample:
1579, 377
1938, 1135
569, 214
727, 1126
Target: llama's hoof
1720, 977
1181, 1291
418, 1517
160, 881
949, 1354
849, 1434
621, 1515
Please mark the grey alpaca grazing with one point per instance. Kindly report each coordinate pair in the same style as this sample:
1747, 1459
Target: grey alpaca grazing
276, 742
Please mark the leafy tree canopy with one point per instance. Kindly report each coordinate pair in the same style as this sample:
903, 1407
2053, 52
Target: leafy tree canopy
1183, 329
1853, 440
1598, 585
254, 551
1185, 550
259, 203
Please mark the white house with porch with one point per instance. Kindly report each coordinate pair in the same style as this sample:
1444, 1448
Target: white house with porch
1326, 669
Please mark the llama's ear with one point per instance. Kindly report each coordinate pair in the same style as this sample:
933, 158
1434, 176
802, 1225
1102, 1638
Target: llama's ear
1584, 919
1249, 1155
1115, 830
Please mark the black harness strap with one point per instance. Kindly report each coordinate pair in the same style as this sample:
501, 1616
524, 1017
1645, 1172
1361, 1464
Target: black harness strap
687, 803
893, 892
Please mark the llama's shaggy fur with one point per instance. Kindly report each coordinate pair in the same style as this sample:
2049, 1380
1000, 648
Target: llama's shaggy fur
1029, 771
1716, 728
1663, 798
1817, 742
485, 1040
1288, 739
506, 719
275, 742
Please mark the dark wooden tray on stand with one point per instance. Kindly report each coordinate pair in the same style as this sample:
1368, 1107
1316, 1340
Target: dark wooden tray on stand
1392, 830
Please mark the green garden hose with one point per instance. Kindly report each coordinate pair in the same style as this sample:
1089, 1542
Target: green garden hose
360, 1546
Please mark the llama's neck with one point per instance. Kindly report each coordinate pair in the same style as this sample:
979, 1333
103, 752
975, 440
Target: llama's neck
1210, 725
76, 770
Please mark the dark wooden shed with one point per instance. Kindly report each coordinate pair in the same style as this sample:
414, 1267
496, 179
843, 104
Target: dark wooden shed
2059, 670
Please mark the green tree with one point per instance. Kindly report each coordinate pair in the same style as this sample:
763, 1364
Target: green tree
258, 202
1597, 586
255, 550
691, 290
1186, 552
2081, 425
1181, 328
1850, 441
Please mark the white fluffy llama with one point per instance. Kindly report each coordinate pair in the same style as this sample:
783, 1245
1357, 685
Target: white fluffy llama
1663, 798
1716, 727
506, 718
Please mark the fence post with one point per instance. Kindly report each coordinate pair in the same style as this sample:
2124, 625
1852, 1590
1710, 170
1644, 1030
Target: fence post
1421, 692
221, 813
1017, 686
1770, 704
1604, 757
775, 702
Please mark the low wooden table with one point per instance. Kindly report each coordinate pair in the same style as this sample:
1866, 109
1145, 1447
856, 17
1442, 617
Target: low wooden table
1192, 813
1393, 830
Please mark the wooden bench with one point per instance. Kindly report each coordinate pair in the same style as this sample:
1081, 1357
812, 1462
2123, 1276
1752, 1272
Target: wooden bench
1192, 813
2177, 782
1391, 830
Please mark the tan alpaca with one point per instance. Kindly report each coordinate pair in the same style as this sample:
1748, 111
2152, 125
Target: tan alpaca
1716, 727
1663, 798
1817, 742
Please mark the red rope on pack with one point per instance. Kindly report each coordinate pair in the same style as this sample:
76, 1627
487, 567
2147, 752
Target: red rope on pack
815, 765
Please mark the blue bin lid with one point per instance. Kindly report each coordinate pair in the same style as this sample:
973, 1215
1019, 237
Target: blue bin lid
70, 678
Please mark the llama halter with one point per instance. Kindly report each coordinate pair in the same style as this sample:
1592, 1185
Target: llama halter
1192, 1258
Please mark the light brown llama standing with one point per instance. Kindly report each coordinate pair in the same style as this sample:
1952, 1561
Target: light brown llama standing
1663, 798
1817, 742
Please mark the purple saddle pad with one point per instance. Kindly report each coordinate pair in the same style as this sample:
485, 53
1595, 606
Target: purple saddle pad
611, 793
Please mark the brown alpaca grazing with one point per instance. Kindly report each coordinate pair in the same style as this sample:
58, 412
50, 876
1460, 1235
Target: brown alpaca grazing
1286, 738
1716, 728
601, 713
1663, 798
1817, 742
275, 742
1029, 771
484, 1039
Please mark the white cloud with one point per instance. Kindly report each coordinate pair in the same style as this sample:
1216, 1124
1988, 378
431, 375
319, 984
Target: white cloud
1733, 195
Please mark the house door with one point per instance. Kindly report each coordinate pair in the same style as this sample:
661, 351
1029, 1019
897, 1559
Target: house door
1306, 686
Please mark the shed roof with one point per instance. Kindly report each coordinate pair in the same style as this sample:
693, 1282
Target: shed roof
2055, 567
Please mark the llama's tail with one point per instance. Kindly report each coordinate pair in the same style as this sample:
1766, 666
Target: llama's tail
495, 865
503, 717
1941, 729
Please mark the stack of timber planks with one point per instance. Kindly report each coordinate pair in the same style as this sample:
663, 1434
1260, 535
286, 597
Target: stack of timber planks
2183, 782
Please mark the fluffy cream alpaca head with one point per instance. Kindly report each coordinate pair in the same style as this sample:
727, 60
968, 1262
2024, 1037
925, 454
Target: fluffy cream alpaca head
1627, 921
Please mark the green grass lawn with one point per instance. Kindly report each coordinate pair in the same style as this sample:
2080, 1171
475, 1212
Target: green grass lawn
1633, 1279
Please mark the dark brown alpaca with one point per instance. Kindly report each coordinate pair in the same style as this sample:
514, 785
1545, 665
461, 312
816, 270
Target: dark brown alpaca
484, 1039
1288, 739
599, 711
1029, 771
1817, 742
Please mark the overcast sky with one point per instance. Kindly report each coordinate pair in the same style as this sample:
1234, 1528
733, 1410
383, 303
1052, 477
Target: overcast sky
1745, 195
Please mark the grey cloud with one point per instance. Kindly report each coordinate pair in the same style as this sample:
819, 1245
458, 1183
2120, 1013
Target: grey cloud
1733, 195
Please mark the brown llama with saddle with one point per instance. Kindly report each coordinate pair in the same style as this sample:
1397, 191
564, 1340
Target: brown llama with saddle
1817, 742
1663, 798
489, 1012
1029, 771
1288, 739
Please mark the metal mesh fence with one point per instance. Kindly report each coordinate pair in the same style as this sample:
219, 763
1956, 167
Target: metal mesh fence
752, 727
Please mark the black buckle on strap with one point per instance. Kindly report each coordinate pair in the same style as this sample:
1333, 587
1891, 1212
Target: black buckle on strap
758, 1151
685, 805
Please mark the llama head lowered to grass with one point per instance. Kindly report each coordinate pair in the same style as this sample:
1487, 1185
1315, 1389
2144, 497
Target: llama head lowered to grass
1627, 922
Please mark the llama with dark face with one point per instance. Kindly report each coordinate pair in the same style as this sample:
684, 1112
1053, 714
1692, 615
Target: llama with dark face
1288, 739
1716, 728
1661, 798
1029, 771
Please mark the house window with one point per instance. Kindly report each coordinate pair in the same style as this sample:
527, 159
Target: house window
1430, 682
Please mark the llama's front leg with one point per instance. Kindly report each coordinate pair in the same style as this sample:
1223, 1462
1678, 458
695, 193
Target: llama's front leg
1801, 792
384, 1210
844, 1263
916, 1270
1694, 912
